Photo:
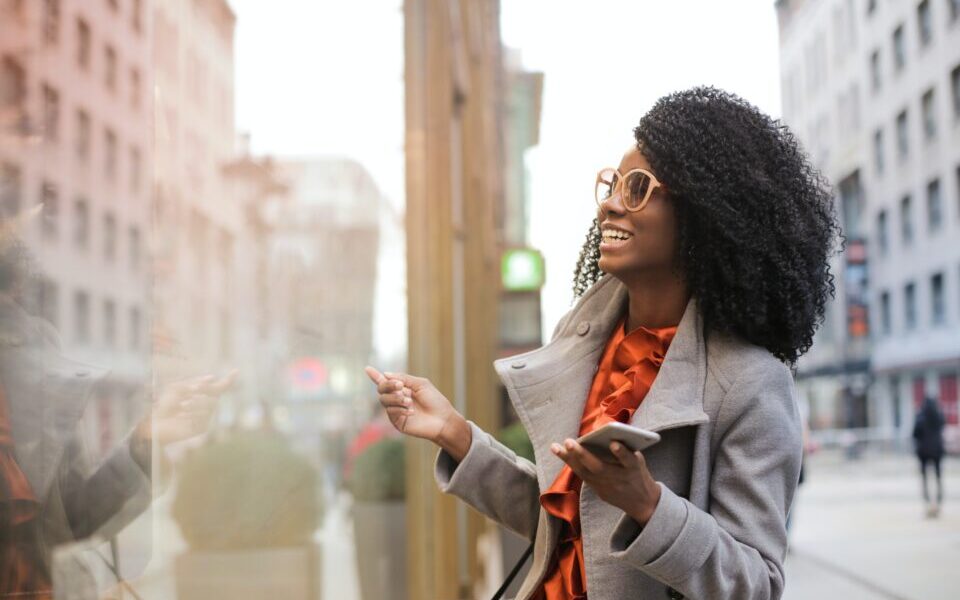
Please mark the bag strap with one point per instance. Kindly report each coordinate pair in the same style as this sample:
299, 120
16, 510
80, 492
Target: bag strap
513, 573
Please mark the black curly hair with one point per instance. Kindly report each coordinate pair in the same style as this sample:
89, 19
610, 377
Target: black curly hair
756, 220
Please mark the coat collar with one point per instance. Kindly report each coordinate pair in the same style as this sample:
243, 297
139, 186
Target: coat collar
549, 386
46, 393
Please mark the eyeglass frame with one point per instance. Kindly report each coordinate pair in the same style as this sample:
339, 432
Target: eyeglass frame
651, 188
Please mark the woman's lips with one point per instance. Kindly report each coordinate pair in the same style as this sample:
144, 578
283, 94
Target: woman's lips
612, 244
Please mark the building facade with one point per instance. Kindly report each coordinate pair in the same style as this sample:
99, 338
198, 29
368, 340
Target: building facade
872, 88
75, 139
326, 235
196, 223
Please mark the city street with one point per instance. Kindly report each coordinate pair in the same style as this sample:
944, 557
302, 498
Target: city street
859, 532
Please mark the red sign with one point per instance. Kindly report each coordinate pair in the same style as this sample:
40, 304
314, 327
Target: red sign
308, 374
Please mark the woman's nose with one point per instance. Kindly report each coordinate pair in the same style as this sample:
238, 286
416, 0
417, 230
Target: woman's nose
612, 204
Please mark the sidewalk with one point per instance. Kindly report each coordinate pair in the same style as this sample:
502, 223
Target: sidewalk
859, 532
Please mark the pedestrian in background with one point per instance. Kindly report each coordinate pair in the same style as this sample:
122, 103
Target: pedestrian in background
928, 441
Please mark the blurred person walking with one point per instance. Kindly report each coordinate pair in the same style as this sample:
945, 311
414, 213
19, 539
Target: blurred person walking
928, 444
702, 279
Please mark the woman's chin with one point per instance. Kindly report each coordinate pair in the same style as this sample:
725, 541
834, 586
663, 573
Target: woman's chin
607, 264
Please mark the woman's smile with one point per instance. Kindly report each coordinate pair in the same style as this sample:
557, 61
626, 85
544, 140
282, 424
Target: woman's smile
614, 238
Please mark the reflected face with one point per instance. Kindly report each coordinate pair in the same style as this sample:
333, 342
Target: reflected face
642, 243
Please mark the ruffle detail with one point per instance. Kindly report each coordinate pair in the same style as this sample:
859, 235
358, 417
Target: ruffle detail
626, 372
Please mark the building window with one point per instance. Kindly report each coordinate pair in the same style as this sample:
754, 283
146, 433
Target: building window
11, 182
910, 306
110, 153
133, 236
906, 220
51, 21
48, 301
882, 241
871, 7
924, 24
876, 75
899, 49
955, 90
136, 165
50, 217
51, 113
934, 206
954, 9
83, 44
136, 15
110, 67
885, 313
134, 87
81, 317
81, 223
13, 87
109, 323
83, 135
903, 135
948, 398
135, 326
853, 107
929, 115
878, 150
938, 307
109, 237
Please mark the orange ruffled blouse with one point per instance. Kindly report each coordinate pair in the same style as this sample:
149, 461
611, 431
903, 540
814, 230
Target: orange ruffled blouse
20, 572
626, 371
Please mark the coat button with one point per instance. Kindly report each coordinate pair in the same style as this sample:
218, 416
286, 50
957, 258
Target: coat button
674, 594
519, 364
583, 328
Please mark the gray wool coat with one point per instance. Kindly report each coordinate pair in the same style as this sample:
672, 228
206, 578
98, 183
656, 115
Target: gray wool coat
47, 395
727, 463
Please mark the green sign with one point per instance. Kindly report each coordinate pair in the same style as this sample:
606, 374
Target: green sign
522, 270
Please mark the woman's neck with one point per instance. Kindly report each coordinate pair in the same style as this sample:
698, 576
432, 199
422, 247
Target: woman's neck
656, 303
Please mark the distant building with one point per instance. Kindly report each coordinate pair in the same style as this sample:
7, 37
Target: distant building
520, 305
872, 88
330, 226
75, 136
195, 221
265, 279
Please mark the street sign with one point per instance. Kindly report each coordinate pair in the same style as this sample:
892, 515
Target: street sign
522, 269
307, 374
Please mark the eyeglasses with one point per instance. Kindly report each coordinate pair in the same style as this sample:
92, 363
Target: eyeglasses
635, 187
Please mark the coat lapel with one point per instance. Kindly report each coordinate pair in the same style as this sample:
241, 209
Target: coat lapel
549, 386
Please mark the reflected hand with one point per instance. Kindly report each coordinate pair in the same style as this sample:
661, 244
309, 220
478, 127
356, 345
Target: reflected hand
184, 409
417, 408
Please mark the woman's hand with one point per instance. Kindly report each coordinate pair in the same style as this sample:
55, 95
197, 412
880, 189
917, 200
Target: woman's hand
415, 407
183, 409
626, 484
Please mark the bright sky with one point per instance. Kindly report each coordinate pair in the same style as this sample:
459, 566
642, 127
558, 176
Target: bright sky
326, 78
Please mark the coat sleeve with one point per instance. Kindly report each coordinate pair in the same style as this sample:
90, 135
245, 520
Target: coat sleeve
104, 499
495, 481
736, 549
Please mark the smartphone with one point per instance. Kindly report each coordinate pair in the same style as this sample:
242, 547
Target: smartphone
634, 438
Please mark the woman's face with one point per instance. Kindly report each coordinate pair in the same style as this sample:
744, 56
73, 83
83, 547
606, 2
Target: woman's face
651, 244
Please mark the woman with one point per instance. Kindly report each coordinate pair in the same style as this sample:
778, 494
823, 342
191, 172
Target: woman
701, 281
